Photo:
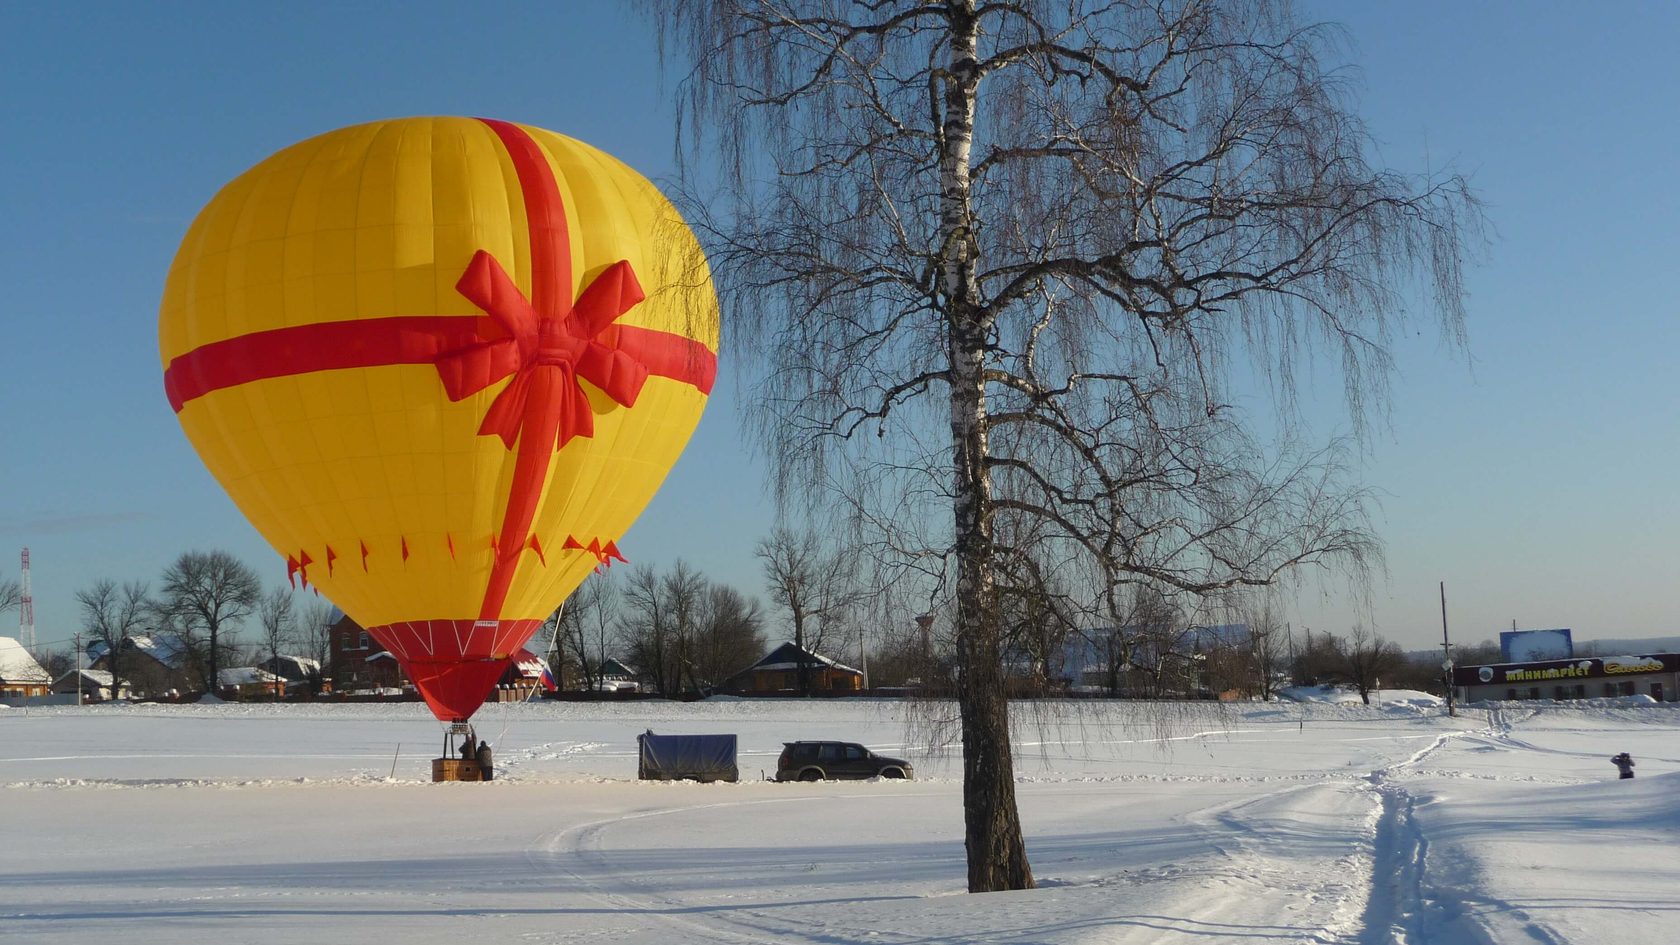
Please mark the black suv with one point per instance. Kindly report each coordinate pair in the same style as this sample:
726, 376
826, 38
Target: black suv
816, 761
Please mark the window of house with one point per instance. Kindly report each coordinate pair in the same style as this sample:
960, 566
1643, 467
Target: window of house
1510, 695
362, 642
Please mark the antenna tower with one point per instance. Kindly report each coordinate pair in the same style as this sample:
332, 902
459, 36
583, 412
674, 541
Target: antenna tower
26, 609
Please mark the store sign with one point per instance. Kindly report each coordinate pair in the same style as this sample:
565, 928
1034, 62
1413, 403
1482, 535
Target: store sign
1633, 664
1562, 670
1580, 670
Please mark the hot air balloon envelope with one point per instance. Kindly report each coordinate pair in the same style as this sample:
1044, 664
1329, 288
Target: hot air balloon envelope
441, 364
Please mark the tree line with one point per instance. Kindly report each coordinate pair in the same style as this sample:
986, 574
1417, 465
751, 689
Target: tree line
200, 608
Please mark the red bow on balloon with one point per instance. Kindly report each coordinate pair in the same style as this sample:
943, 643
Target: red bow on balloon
546, 353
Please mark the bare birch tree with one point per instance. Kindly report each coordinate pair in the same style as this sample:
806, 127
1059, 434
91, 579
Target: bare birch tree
1003, 256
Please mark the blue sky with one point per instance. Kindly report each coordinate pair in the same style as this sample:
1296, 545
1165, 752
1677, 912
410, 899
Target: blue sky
1534, 476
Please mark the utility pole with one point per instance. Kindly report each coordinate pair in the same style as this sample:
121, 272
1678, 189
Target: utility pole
1446, 651
79, 679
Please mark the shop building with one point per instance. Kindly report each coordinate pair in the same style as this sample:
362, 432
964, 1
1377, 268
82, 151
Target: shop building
1583, 677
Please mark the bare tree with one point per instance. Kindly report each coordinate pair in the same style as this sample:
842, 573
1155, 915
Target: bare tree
1267, 643
584, 627
1316, 659
646, 629
209, 593
111, 614
277, 617
729, 635
814, 585
315, 639
684, 590
11, 595
1366, 659
1021, 244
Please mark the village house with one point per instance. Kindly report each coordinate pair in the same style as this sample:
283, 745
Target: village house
249, 684
526, 676
357, 662
151, 666
302, 675
614, 675
95, 685
20, 676
778, 674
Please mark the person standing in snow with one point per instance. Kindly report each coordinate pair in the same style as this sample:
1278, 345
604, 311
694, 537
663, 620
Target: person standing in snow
1624, 764
484, 761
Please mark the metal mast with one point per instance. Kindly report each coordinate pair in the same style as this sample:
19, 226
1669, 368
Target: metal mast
26, 610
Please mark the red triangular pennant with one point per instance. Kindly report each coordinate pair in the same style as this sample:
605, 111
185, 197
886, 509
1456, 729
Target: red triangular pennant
331, 557
364, 555
405, 549
536, 546
291, 570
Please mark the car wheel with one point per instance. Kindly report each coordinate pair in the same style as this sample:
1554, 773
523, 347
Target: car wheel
810, 774
894, 773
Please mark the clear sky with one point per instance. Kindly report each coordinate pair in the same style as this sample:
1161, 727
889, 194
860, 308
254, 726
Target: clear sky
1535, 476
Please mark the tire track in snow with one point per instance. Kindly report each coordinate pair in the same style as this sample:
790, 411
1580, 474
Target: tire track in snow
575, 851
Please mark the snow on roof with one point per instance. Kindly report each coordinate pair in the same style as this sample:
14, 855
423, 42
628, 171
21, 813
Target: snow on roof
529, 663
96, 676
301, 666
244, 676
169, 651
789, 656
16, 665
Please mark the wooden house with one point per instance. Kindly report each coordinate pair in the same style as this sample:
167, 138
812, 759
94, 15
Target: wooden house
20, 676
779, 671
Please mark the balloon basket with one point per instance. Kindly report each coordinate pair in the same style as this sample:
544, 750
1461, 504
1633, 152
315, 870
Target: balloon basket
465, 758
456, 769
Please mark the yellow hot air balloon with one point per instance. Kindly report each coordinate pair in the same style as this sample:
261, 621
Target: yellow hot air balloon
441, 364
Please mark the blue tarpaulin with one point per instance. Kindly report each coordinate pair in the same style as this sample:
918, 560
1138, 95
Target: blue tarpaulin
677, 757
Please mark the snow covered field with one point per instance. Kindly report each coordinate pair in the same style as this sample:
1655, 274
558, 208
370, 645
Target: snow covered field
1255, 823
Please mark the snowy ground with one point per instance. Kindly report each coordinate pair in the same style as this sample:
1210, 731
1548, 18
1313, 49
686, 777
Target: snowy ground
1260, 823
